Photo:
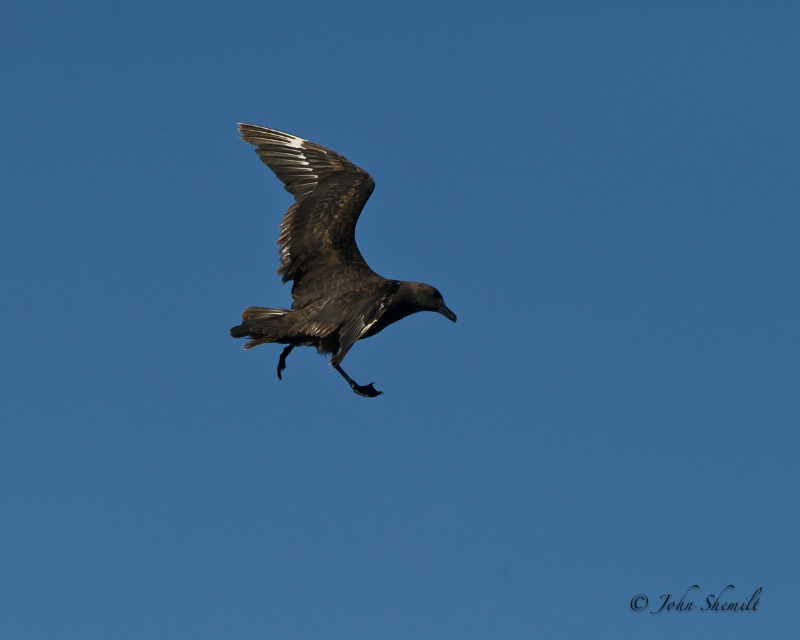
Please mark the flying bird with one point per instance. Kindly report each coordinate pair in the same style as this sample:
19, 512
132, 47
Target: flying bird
337, 298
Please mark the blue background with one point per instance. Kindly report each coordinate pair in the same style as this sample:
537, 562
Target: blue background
607, 197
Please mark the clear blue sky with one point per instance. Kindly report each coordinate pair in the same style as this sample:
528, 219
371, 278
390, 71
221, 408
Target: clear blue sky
608, 199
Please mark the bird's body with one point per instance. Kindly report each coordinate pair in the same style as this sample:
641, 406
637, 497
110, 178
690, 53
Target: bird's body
337, 298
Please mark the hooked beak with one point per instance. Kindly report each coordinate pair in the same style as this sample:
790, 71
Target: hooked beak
447, 313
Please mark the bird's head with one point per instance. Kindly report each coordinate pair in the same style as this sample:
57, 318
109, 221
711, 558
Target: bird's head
431, 300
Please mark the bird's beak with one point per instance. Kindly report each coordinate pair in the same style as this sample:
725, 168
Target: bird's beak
447, 313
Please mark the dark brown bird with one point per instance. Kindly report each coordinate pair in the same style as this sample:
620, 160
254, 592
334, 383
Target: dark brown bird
338, 299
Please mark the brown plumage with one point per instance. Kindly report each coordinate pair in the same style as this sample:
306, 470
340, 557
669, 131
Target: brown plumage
338, 299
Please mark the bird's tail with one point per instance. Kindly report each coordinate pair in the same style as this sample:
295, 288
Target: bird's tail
259, 324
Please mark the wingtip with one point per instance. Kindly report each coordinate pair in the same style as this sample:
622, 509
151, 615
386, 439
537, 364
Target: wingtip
248, 131
255, 134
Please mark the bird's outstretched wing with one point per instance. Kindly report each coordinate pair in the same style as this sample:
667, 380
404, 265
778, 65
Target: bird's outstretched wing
317, 241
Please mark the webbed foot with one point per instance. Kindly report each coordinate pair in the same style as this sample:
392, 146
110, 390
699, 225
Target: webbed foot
364, 390
282, 360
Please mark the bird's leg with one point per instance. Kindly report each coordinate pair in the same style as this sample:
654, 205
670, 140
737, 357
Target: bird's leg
282, 359
367, 390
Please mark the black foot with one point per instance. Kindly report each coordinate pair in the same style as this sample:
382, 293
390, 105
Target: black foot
282, 360
364, 390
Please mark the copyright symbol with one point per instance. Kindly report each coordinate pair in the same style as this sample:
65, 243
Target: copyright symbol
638, 603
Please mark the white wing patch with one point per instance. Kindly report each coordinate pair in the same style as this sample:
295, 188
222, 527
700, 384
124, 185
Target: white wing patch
294, 141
